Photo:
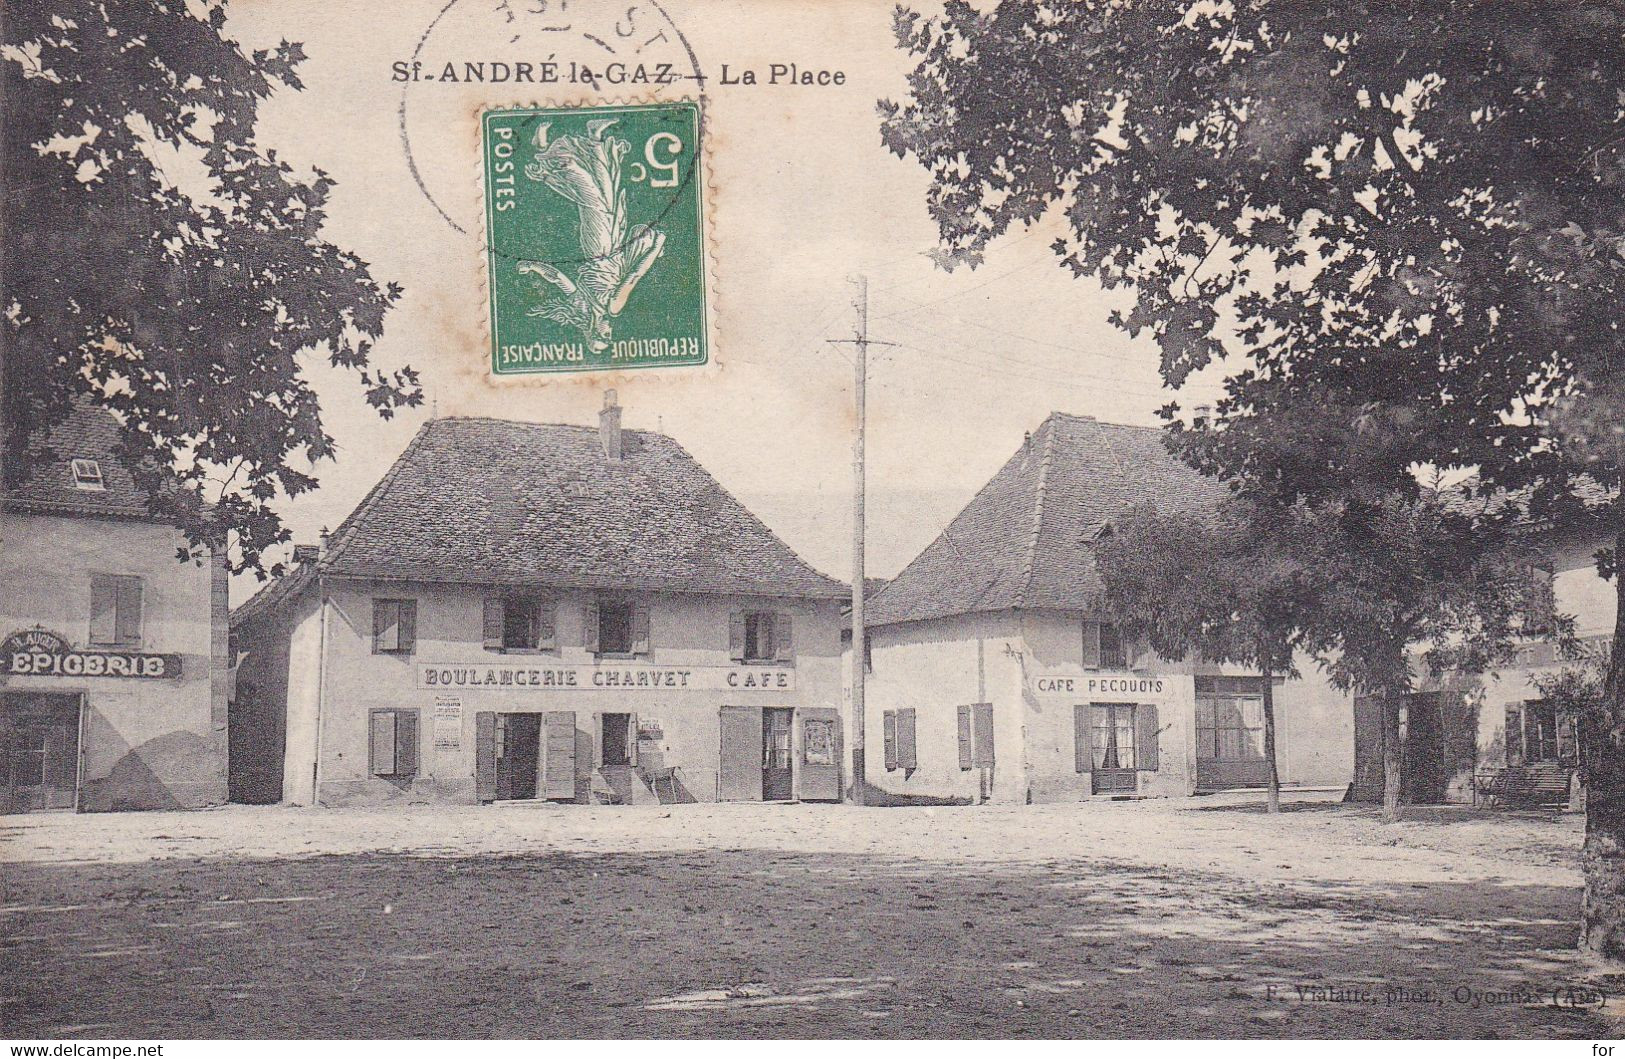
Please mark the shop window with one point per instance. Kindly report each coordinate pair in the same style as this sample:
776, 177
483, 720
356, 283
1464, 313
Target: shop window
1229, 727
1537, 733
394, 626
520, 623
1103, 646
760, 636
898, 729
87, 474
393, 749
976, 735
115, 610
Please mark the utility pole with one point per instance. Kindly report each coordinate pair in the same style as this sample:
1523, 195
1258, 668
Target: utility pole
860, 638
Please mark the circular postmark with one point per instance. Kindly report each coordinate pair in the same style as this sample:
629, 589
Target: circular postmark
474, 56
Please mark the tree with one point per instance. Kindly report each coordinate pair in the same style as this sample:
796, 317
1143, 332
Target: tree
162, 263
1400, 221
1228, 588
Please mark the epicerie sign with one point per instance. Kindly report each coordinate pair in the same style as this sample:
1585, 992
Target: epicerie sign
455, 676
1101, 685
40, 653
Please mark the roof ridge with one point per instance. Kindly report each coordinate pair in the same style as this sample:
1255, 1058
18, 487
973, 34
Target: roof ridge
346, 530
1038, 512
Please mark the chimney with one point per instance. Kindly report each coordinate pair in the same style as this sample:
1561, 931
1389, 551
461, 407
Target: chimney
609, 426
306, 553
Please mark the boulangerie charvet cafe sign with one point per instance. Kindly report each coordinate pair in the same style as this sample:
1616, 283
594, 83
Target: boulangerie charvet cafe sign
40, 653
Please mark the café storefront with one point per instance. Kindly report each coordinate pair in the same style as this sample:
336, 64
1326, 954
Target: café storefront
617, 630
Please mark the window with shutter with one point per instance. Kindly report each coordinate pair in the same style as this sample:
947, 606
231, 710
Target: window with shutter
982, 734
614, 628
589, 627
103, 609
1112, 652
1091, 645
382, 760
759, 635
493, 623
906, 753
1145, 716
129, 610
528, 623
394, 626
640, 629
393, 747
888, 725
115, 610
1514, 733
783, 639
965, 756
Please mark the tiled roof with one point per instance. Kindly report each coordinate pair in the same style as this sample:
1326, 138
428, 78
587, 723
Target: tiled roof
489, 501
1025, 540
88, 433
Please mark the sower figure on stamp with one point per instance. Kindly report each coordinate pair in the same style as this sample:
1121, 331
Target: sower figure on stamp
587, 171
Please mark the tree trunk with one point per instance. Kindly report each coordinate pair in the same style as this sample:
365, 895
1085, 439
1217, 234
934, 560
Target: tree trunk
1602, 858
1391, 759
1269, 737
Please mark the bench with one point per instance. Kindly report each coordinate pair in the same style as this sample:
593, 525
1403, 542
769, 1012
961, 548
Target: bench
1546, 783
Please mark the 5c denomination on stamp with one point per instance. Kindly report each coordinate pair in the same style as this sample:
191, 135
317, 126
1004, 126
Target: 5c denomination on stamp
595, 237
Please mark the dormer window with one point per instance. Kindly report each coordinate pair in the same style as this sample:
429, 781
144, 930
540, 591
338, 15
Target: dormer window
87, 474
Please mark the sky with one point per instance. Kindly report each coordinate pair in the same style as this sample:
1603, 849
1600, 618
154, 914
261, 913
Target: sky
802, 198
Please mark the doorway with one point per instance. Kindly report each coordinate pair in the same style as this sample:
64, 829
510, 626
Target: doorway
39, 737
518, 751
777, 758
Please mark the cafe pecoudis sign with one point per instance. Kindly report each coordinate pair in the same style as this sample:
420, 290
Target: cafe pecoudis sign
38, 652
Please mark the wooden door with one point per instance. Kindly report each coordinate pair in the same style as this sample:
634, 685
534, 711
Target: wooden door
41, 746
778, 754
485, 756
820, 754
739, 776
560, 781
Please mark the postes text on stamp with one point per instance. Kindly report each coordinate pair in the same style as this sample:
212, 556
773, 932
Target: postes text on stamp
595, 240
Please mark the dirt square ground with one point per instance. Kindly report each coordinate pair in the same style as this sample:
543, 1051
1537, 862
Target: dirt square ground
1197, 917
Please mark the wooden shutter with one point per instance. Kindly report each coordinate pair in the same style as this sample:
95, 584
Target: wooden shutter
547, 624
406, 742
640, 629
383, 743
906, 756
493, 623
386, 629
103, 609
736, 636
1145, 737
783, 642
408, 626
1083, 745
589, 626
485, 755
1091, 645
982, 718
560, 778
1514, 733
888, 724
632, 739
739, 778
128, 609
965, 756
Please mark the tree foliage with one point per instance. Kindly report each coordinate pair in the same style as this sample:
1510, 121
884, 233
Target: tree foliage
1397, 227
162, 262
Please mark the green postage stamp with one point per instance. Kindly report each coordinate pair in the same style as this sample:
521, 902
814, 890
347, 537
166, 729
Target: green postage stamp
594, 237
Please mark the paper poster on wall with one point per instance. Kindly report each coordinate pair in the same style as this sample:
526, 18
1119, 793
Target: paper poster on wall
448, 723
